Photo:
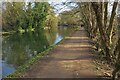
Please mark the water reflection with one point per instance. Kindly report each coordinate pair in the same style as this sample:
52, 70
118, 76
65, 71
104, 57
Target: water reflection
58, 38
20, 47
7, 69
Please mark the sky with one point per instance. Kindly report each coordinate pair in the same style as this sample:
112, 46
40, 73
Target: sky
62, 8
59, 7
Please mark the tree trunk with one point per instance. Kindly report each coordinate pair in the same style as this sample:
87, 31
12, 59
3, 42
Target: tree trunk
98, 13
105, 14
110, 27
117, 64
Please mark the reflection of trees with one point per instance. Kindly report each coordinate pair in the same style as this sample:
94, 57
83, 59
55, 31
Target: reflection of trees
64, 31
18, 48
51, 35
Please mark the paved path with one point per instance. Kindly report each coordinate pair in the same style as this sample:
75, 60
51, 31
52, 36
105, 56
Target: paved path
72, 58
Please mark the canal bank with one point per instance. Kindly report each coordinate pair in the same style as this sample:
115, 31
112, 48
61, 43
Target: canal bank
21, 39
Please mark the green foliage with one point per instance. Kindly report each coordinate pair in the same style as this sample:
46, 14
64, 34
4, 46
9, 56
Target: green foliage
19, 16
51, 21
69, 17
11, 14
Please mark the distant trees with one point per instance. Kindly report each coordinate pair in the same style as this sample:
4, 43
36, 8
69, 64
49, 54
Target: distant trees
68, 18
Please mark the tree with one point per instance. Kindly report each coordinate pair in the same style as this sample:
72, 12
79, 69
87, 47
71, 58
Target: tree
11, 15
68, 17
28, 16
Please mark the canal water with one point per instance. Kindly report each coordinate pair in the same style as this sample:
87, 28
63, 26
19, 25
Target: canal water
18, 48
